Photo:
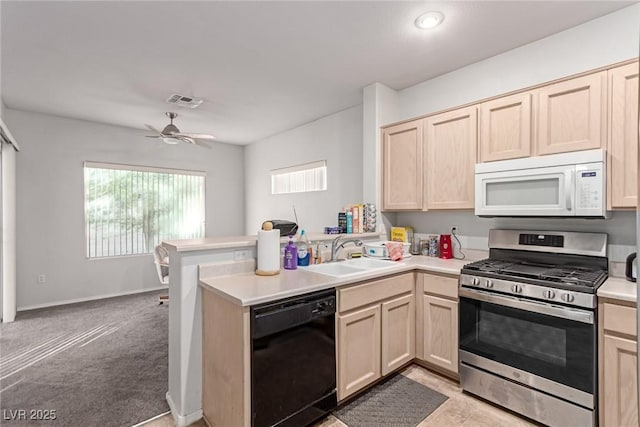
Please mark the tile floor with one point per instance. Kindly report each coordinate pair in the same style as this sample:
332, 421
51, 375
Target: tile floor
459, 410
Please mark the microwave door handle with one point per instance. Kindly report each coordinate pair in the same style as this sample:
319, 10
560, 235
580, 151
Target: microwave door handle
569, 185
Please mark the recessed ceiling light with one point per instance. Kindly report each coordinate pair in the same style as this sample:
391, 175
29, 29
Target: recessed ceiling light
429, 20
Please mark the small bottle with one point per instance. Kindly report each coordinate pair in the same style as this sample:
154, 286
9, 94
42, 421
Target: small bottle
290, 255
342, 221
304, 250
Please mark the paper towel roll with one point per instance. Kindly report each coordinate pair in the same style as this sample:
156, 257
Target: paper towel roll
268, 252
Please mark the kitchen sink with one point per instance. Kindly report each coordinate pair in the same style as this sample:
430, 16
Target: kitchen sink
350, 267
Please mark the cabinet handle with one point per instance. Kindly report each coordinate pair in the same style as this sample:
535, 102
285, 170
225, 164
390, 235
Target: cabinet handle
568, 188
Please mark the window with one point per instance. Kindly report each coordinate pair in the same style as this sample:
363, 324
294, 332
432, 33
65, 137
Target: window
131, 209
300, 178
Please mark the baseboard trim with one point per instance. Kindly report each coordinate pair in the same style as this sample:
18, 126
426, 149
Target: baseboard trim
182, 420
93, 298
151, 419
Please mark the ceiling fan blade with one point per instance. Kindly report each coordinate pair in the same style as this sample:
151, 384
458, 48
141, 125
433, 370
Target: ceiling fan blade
198, 136
184, 139
152, 129
201, 144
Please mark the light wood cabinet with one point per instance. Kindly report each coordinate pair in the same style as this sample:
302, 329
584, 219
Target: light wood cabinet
226, 361
623, 137
620, 382
505, 128
618, 369
359, 350
398, 333
376, 331
437, 322
441, 332
402, 153
572, 115
450, 159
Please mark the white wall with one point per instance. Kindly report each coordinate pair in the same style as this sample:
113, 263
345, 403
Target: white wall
379, 106
8, 233
50, 197
620, 227
603, 41
338, 140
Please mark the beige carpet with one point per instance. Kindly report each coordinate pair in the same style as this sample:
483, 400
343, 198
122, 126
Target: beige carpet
100, 363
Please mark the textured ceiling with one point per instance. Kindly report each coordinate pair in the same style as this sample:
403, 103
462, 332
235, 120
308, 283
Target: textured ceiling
261, 67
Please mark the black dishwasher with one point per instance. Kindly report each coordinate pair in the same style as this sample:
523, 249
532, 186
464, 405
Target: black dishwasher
293, 360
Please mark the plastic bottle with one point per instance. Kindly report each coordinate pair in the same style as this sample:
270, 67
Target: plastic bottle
290, 255
349, 222
304, 250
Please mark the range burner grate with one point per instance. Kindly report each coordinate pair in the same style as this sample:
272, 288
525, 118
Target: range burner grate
573, 275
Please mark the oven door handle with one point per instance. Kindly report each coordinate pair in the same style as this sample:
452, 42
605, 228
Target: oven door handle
532, 306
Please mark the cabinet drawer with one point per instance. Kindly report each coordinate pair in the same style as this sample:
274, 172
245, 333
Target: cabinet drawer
619, 318
378, 290
439, 285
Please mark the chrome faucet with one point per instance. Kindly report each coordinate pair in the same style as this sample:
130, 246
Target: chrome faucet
335, 247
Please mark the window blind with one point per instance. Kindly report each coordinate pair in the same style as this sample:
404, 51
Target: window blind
131, 209
300, 178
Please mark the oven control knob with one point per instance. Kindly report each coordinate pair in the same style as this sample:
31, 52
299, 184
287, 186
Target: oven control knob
475, 281
549, 294
488, 284
516, 289
567, 297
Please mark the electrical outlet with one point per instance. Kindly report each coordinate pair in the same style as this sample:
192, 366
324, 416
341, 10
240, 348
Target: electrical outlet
240, 255
454, 229
42, 278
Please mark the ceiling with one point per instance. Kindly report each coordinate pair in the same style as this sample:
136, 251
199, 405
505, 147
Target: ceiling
261, 67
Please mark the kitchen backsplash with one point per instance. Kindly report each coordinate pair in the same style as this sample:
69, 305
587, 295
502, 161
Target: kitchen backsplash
473, 231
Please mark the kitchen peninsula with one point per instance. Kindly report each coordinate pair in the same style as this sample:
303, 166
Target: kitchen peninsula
378, 313
222, 256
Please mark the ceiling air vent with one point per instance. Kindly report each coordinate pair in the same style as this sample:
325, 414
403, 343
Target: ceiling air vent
184, 101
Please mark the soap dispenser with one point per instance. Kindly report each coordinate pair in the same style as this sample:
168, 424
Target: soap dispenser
290, 255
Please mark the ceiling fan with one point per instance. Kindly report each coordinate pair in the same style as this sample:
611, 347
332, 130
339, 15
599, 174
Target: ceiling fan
172, 135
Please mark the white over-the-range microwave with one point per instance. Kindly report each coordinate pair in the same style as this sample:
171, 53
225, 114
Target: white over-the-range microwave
557, 185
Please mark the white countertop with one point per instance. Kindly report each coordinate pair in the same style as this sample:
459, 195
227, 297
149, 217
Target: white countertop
248, 289
207, 243
618, 288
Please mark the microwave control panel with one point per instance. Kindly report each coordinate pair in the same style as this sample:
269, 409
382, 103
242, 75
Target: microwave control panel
590, 189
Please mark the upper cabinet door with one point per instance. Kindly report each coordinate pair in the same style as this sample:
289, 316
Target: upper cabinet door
505, 128
402, 166
451, 140
623, 136
572, 115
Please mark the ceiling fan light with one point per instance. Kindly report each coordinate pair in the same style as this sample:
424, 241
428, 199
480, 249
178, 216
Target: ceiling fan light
170, 140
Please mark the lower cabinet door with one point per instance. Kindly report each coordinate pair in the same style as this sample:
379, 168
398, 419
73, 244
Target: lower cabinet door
441, 332
620, 376
398, 332
358, 350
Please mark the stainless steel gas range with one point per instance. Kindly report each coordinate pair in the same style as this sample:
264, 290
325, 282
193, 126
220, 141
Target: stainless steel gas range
528, 335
